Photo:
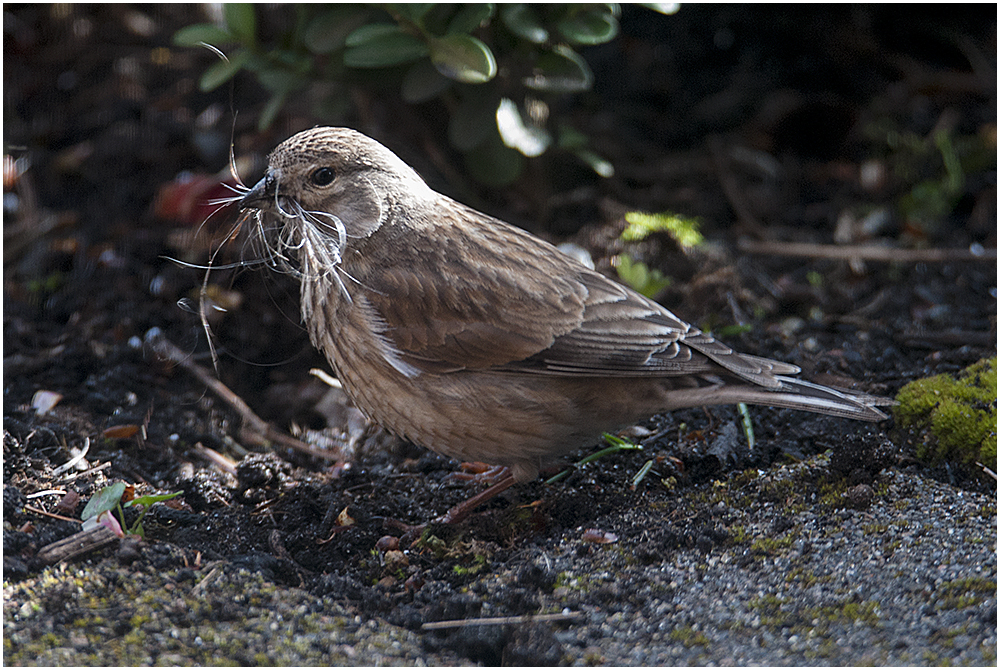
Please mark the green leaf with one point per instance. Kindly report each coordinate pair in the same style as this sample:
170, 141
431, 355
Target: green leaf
470, 17
463, 58
662, 7
391, 48
726, 332
588, 27
616, 444
570, 138
473, 121
271, 109
561, 70
747, 424
280, 80
192, 36
328, 31
599, 165
370, 32
641, 278
296, 62
147, 501
522, 20
241, 20
104, 500
414, 11
527, 138
423, 82
222, 71
643, 471
494, 164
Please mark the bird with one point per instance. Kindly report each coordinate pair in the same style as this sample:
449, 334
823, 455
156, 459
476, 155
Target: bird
473, 338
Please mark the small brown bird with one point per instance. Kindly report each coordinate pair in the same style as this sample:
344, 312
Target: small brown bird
473, 338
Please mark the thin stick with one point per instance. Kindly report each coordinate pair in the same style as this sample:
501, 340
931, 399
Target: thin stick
91, 471
867, 252
254, 428
219, 460
35, 510
75, 545
501, 620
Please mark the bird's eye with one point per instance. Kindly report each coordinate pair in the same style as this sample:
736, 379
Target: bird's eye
322, 176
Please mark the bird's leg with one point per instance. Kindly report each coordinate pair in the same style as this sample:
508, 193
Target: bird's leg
479, 472
459, 512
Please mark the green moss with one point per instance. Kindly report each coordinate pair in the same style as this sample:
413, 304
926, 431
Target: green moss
769, 608
684, 230
770, 545
806, 578
573, 582
738, 534
831, 493
849, 612
688, 636
433, 543
478, 563
956, 416
962, 593
776, 612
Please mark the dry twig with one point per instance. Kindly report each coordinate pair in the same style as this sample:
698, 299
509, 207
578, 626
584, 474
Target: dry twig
254, 429
501, 620
867, 252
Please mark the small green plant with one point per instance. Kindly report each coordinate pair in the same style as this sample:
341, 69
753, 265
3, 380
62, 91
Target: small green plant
930, 172
98, 511
647, 281
650, 281
643, 471
641, 225
747, 424
478, 563
930, 200
616, 444
495, 67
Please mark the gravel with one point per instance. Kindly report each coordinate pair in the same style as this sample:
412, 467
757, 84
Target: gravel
800, 578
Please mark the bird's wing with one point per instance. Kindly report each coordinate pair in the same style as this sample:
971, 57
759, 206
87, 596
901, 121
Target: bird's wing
489, 295
626, 334
478, 297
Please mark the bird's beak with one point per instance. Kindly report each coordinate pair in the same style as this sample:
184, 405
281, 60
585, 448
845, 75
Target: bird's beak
262, 190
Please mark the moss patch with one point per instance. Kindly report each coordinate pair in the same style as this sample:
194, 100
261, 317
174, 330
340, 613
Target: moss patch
955, 416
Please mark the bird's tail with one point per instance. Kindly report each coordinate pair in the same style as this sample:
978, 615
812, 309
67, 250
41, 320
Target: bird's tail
796, 394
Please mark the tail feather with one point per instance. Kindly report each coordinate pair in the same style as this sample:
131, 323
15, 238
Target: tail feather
796, 394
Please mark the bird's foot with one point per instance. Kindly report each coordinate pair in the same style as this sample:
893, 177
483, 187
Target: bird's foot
502, 481
476, 472
456, 514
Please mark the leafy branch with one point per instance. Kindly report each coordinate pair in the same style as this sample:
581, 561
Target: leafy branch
496, 68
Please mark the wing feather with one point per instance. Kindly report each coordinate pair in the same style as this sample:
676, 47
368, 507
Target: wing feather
531, 309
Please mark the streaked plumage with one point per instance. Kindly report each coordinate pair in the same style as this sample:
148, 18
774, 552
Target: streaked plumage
473, 338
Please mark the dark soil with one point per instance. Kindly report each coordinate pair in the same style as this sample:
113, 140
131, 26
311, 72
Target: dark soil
828, 542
